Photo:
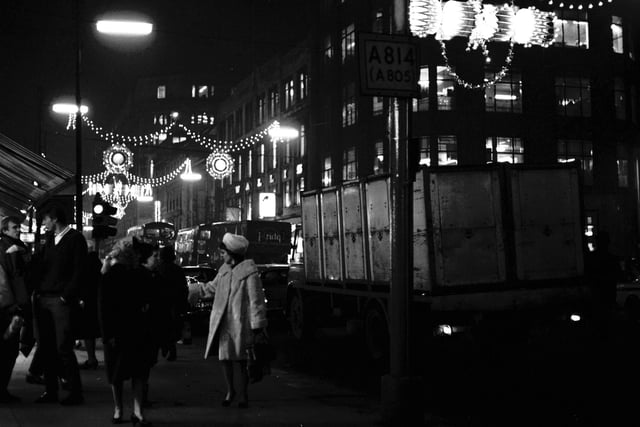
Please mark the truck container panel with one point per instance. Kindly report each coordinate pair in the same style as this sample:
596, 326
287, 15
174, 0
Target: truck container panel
421, 270
379, 232
311, 233
467, 227
332, 254
353, 239
547, 223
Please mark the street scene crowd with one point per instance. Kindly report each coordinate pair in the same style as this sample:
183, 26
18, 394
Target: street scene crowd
134, 300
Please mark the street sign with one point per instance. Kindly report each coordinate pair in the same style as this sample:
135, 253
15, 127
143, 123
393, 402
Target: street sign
389, 65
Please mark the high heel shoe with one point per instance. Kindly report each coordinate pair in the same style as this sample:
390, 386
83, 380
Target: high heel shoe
227, 400
244, 403
138, 422
117, 420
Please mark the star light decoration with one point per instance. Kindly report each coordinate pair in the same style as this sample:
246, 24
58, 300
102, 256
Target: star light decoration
481, 23
219, 165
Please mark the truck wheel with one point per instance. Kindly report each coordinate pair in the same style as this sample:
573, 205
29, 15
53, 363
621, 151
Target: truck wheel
296, 316
376, 332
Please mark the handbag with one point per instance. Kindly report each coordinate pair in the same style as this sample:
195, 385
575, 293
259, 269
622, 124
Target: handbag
259, 357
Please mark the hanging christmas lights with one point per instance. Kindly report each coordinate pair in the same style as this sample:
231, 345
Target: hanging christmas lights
219, 165
578, 5
481, 23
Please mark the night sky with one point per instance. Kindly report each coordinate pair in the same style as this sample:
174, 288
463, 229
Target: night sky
37, 54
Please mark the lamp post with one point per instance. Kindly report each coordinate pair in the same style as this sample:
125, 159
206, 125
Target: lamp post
116, 28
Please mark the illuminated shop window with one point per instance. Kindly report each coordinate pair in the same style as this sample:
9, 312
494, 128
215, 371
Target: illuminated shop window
571, 29
422, 103
348, 42
161, 92
573, 96
570, 150
506, 95
349, 111
502, 149
619, 98
622, 162
445, 86
616, 34
327, 172
349, 164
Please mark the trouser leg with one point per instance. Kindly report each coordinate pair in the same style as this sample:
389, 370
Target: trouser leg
61, 313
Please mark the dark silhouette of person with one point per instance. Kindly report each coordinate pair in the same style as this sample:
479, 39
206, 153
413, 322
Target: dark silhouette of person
603, 271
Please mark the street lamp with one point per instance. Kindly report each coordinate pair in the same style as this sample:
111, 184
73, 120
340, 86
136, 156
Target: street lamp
113, 28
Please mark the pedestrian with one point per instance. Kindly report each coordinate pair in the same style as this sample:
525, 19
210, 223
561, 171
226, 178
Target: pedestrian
63, 259
87, 326
176, 292
238, 315
14, 300
124, 318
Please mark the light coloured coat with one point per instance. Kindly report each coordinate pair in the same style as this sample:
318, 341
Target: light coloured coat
239, 298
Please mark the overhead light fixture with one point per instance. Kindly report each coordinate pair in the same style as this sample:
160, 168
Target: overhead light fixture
188, 174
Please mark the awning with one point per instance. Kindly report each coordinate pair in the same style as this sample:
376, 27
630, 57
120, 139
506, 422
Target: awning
26, 179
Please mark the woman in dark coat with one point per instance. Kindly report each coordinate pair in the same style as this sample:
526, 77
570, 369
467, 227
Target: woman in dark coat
123, 304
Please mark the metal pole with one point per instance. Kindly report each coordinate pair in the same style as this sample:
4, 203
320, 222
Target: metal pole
400, 391
78, 121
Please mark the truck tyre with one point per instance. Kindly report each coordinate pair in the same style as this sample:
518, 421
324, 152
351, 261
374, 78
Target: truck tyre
296, 316
376, 332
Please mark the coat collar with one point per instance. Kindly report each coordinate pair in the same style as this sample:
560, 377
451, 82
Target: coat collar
240, 271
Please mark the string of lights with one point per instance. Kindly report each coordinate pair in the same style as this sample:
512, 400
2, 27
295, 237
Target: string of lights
577, 5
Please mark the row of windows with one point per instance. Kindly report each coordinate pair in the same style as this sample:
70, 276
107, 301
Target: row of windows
443, 151
573, 96
197, 91
267, 106
163, 119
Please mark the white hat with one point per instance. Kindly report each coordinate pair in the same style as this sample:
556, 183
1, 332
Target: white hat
235, 243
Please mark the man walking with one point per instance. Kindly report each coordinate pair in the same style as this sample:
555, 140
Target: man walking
14, 299
63, 258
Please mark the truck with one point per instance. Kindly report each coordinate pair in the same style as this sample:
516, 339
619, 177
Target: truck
269, 242
497, 239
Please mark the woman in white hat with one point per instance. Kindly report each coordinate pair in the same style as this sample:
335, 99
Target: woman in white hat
238, 314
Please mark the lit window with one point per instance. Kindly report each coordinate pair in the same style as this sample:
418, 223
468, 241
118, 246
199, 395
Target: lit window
623, 166
262, 158
445, 89
299, 169
502, 149
327, 172
201, 91
379, 166
287, 194
447, 150
616, 33
303, 141
573, 96
178, 139
302, 81
239, 167
348, 42
571, 30
570, 150
349, 112
349, 164
506, 95
289, 94
619, 98
161, 92
274, 155
298, 190
250, 163
422, 102
261, 110
274, 102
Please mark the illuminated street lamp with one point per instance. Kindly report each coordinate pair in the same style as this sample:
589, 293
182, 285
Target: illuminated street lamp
112, 28
126, 28
65, 108
188, 174
279, 133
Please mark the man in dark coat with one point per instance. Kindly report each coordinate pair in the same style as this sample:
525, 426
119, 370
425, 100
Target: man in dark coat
14, 299
63, 257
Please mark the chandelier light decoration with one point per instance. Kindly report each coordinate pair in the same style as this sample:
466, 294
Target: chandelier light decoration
481, 23
219, 165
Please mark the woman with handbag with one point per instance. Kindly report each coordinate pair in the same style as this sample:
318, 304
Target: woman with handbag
239, 313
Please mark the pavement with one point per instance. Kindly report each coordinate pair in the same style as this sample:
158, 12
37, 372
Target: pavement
189, 391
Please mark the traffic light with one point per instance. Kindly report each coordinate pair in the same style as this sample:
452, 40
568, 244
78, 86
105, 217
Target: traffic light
102, 219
